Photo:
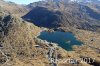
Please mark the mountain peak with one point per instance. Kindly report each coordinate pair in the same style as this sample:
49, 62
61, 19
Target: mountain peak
78, 1
86, 1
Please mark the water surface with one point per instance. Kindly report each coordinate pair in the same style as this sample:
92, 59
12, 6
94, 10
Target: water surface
64, 39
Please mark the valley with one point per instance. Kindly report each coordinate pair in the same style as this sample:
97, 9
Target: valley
50, 33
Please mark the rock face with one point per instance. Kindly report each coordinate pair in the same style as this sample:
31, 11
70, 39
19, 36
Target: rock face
82, 16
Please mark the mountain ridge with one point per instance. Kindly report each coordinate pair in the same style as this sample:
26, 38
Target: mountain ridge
14, 8
81, 16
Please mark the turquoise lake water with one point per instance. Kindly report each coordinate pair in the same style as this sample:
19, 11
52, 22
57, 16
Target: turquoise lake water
64, 39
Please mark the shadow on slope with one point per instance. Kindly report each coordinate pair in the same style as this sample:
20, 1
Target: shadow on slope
43, 17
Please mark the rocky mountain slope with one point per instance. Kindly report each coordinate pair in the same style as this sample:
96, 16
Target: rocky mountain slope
64, 14
18, 46
87, 1
13, 8
16, 40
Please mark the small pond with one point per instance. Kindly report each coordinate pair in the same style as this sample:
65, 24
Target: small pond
64, 39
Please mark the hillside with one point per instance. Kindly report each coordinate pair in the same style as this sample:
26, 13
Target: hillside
13, 8
81, 16
19, 42
18, 46
16, 40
